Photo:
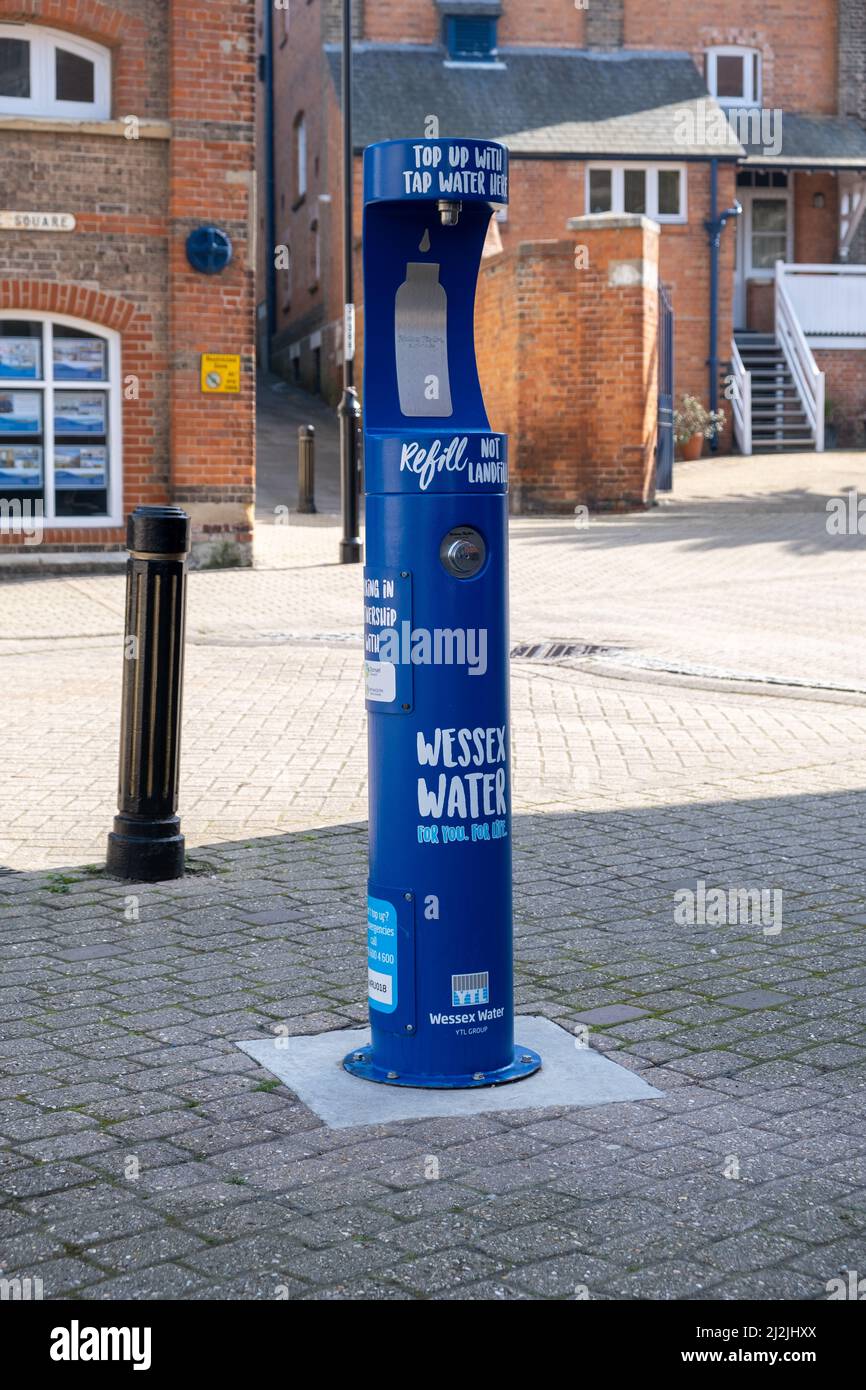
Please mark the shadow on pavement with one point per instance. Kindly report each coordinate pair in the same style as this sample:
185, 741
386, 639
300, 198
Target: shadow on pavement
123, 1004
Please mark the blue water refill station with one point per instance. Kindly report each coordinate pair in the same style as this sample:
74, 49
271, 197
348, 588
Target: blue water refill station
439, 931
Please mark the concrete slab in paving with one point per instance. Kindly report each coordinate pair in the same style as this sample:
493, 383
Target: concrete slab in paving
754, 999
311, 1067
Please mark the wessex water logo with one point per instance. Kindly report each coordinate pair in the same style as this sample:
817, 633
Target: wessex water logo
77, 1343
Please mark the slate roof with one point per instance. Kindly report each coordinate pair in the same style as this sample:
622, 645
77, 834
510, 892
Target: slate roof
542, 102
813, 142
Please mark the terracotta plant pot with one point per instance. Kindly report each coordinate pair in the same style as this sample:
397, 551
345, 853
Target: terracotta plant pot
693, 448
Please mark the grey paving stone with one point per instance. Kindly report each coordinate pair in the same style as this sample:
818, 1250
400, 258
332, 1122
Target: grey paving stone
429, 1274
670, 1279
67, 1276
41, 1178
751, 1250
611, 1013
163, 1281
575, 1276
755, 999
771, 1284
759, 1051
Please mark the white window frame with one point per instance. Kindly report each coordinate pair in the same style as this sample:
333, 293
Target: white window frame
42, 100
317, 250
47, 386
617, 188
301, 155
751, 89
782, 195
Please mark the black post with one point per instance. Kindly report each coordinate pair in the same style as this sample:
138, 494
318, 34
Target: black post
349, 409
146, 843
306, 468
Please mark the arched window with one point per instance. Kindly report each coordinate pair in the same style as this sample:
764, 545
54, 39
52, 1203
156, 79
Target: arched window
47, 72
60, 419
734, 75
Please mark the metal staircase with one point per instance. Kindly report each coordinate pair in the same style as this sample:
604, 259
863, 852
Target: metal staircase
779, 421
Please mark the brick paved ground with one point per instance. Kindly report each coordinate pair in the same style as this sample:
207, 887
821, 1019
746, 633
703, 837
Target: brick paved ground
144, 1155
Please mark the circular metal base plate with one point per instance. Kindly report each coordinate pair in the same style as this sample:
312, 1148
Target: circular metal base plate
361, 1063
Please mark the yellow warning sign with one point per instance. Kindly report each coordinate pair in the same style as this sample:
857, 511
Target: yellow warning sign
220, 372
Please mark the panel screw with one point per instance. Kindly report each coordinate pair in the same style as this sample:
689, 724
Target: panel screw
358, 1057
410, 1028
404, 574
527, 1058
393, 1076
406, 706
479, 1076
408, 897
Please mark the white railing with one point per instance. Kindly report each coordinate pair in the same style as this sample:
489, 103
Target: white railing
829, 302
741, 401
804, 369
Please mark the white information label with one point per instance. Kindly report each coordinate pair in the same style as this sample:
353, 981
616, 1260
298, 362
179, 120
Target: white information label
380, 987
381, 680
37, 221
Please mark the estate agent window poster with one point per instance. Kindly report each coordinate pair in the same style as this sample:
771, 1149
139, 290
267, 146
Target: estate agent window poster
20, 358
79, 359
79, 412
20, 412
20, 466
80, 466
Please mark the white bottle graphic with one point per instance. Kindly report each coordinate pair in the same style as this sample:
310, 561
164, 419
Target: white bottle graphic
421, 332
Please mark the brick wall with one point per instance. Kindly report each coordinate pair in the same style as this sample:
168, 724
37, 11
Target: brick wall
137, 34
545, 194
548, 23
798, 43
551, 23
568, 364
845, 385
797, 40
402, 21
605, 24
852, 58
213, 111
124, 267
303, 84
816, 229
852, 86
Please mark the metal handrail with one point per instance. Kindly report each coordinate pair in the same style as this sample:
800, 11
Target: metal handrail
804, 369
741, 401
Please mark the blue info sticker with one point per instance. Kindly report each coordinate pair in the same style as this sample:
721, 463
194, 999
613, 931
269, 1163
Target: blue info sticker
382, 955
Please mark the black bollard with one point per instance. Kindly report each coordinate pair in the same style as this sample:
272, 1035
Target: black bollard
306, 468
146, 843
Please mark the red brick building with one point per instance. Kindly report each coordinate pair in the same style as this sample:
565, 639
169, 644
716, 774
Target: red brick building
615, 109
124, 128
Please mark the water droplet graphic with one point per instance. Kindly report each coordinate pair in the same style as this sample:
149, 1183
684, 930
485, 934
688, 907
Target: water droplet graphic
425, 241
